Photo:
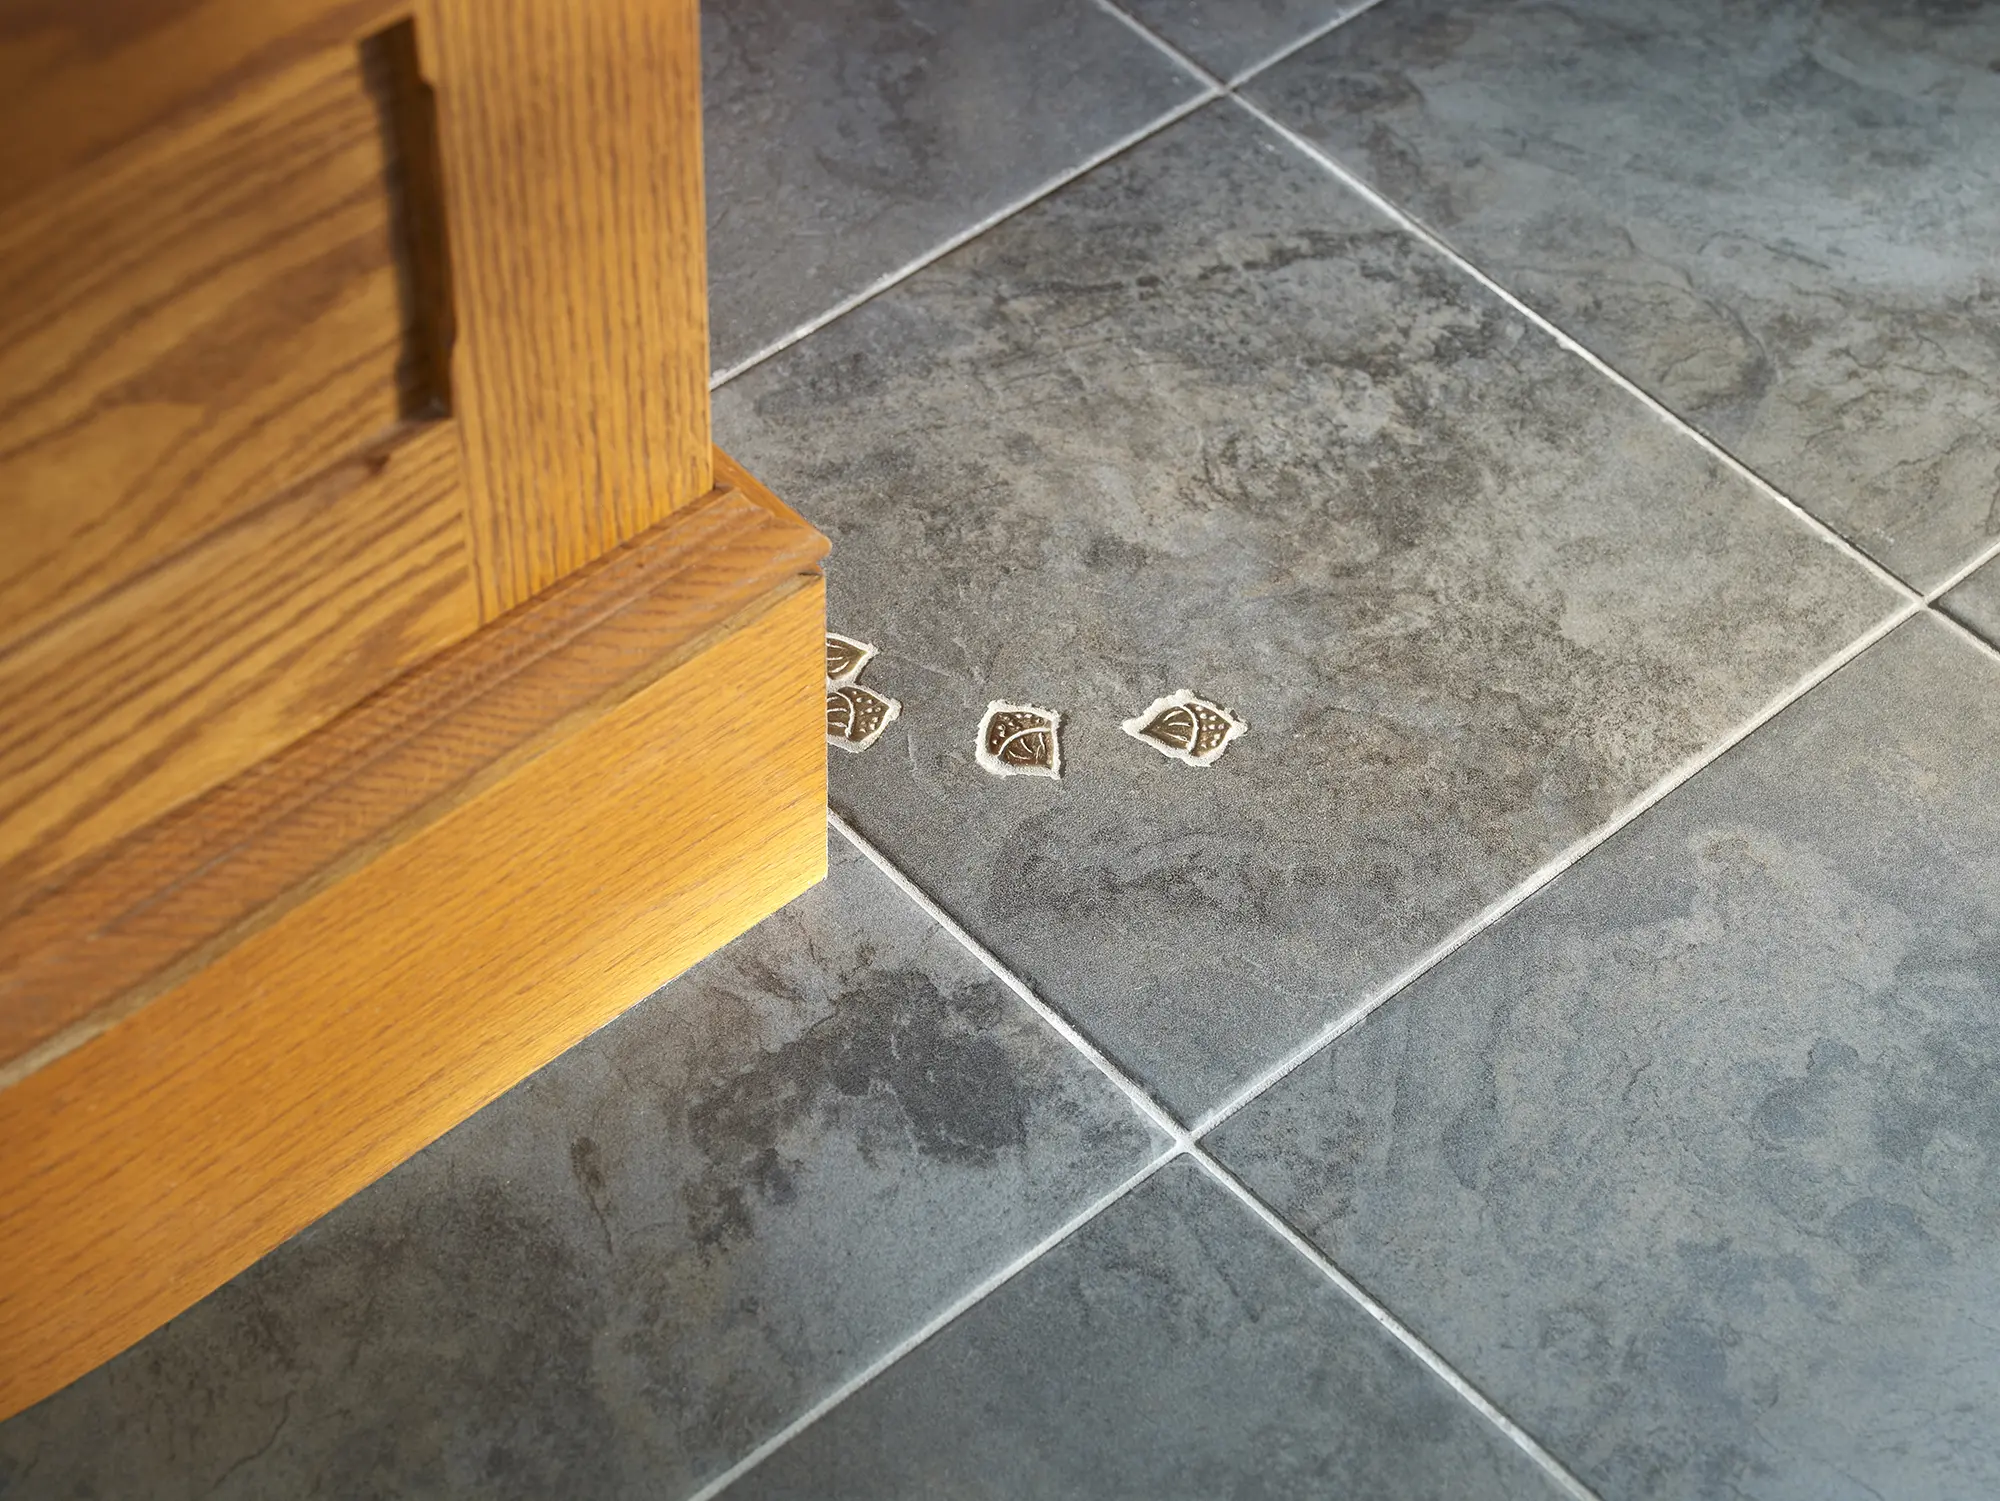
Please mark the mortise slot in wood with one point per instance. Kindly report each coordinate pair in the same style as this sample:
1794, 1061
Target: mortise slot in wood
408, 104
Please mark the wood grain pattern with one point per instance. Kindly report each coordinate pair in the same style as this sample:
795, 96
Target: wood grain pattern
142, 914
464, 943
79, 78
233, 648
571, 139
190, 328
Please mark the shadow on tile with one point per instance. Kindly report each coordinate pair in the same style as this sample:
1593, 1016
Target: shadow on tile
1692, 1164
1778, 219
1201, 419
623, 1275
1173, 1347
846, 138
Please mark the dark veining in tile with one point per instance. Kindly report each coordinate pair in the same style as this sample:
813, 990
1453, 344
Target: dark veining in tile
845, 138
1202, 418
633, 1268
1975, 604
1228, 37
1780, 219
1173, 1347
1693, 1163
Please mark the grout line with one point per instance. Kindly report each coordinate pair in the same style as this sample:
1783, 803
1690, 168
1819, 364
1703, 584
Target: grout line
1211, 78
1965, 571
1562, 862
1397, 1330
972, 232
1438, 245
1302, 43
1184, 1141
1968, 633
1423, 233
1180, 58
1128, 1086
1183, 1145
909, 1342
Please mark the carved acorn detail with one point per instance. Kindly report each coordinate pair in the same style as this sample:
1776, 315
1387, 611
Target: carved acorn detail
856, 716
1020, 740
1186, 727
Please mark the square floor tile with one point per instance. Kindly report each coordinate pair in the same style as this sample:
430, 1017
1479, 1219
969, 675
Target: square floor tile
1975, 604
627, 1272
1202, 419
847, 138
1174, 1347
1779, 219
1692, 1164
1231, 37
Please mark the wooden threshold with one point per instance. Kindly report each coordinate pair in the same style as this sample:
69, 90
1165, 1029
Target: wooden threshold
217, 1029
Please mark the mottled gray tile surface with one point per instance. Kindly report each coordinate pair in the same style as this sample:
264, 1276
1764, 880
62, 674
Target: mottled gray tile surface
1975, 603
846, 138
1172, 1348
1230, 37
1201, 419
1780, 219
1693, 1163
627, 1272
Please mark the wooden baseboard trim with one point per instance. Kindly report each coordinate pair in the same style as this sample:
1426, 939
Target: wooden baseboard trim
216, 1030
245, 640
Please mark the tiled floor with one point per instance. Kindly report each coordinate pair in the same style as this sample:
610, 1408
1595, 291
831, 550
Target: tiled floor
1555, 1052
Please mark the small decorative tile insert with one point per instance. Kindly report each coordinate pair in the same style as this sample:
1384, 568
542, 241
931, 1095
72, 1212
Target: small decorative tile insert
1186, 727
845, 658
1020, 740
857, 716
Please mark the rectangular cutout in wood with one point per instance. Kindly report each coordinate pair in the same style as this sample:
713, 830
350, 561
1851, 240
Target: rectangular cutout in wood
416, 194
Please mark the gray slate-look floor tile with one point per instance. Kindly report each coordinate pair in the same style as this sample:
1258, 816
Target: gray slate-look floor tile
1201, 419
1229, 37
846, 138
1173, 1347
627, 1272
1779, 219
1975, 604
1692, 1164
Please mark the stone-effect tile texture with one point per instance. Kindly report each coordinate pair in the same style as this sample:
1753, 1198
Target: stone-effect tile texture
1975, 604
1201, 419
1779, 219
627, 1272
1230, 37
1173, 1348
846, 138
1693, 1163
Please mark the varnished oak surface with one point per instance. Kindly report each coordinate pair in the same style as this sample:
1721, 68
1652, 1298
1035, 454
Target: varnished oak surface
190, 327
252, 1010
78, 78
77, 955
571, 144
232, 649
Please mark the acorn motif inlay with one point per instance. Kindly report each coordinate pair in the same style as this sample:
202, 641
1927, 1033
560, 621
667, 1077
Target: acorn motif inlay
1185, 727
857, 716
1020, 740
845, 657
